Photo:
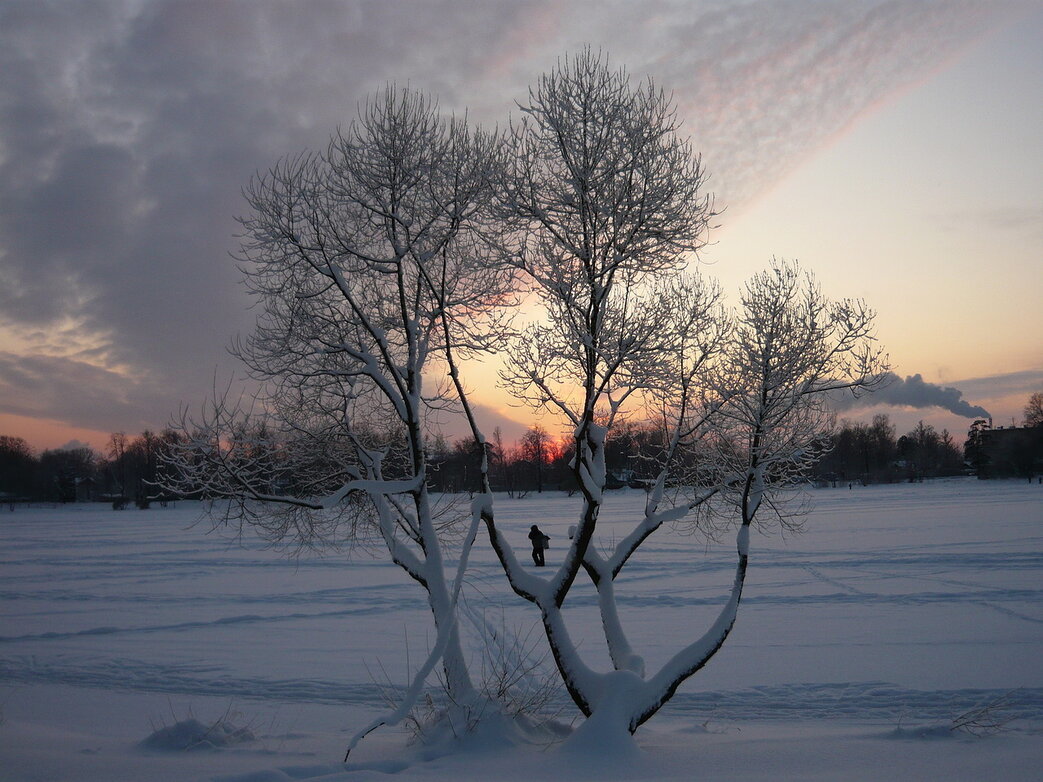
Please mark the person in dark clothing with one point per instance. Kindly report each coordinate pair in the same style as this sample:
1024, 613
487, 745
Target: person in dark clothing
539, 543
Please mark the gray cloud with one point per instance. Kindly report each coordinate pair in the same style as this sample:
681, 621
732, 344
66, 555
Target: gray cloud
92, 396
1007, 384
127, 130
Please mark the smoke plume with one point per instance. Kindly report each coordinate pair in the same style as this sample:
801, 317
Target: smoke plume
914, 392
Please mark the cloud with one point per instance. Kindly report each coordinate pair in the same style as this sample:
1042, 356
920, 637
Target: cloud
127, 130
67, 389
762, 85
1004, 385
914, 391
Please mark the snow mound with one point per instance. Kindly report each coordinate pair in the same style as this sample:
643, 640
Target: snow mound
192, 734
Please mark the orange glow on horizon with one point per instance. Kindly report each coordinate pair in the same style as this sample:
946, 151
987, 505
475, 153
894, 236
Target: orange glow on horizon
45, 434
556, 448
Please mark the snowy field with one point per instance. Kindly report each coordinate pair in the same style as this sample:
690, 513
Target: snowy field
857, 644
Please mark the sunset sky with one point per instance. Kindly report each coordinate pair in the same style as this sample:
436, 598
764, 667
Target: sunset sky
894, 148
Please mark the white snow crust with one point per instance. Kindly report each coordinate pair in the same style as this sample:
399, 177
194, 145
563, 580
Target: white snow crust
856, 645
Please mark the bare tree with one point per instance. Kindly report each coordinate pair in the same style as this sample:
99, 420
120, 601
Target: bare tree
362, 261
534, 447
789, 349
1034, 410
117, 452
18, 466
604, 201
383, 263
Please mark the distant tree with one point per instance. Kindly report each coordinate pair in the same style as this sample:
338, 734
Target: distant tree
621, 446
930, 454
950, 457
559, 471
882, 444
117, 451
849, 455
146, 452
61, 472
534, 448
17, 467
466, 461
498, 460
132, 464
974, 451
439, 455
168, 442
925, 447
865, 452
1034, 410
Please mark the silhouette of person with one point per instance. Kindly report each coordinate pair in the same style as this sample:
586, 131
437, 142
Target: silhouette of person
539, 543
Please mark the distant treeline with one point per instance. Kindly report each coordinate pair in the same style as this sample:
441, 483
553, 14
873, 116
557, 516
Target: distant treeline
866, 453
540, 461
132, 469
127, 473
871, 453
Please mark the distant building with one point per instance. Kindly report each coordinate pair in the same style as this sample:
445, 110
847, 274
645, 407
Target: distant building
1005, 452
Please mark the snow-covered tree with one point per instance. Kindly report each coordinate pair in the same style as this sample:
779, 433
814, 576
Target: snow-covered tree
605, 204
601, 201
383, 263
362, 261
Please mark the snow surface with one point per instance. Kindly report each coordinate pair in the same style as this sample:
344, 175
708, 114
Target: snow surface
856, 645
